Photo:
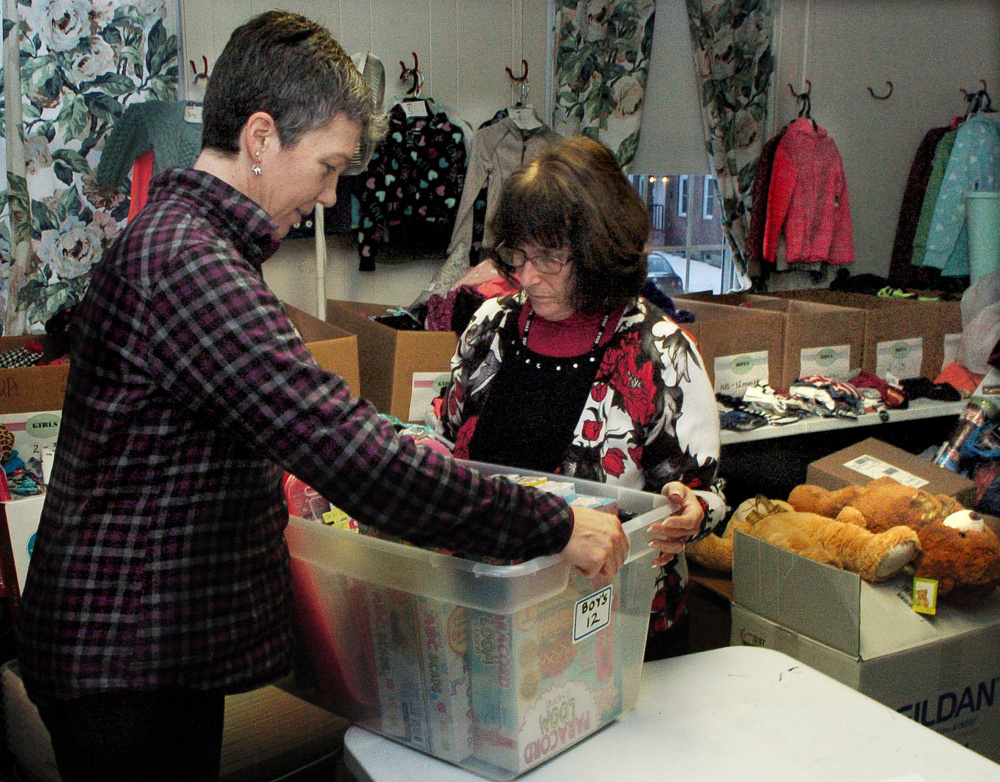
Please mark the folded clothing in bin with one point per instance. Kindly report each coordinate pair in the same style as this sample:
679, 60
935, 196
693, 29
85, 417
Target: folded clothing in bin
493, 667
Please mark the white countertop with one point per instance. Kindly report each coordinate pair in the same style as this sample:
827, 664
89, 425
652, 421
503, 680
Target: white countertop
736, 713
919, 408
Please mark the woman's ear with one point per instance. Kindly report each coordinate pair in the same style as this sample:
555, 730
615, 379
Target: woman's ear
259, 134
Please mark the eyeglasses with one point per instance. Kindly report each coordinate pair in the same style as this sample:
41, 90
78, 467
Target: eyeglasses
546, 262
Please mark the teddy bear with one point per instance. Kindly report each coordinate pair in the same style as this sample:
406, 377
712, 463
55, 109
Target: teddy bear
843, 544
958, 548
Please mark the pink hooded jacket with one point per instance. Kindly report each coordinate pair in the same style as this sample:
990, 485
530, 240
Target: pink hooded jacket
807, 200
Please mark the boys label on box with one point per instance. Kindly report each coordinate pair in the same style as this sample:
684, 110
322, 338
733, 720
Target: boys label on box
592, 613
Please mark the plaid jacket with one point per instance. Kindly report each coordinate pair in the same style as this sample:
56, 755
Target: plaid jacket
160, 559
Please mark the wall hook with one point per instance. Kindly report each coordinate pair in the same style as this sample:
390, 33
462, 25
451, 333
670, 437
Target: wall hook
882, 97
809, 89
418, 77
524, 74
204, 72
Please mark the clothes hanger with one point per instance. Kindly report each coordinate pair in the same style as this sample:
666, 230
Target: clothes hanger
520, 111
414, 104
805, 103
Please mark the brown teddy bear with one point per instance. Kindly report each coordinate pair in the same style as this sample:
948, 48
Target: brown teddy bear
958, 549
843, 544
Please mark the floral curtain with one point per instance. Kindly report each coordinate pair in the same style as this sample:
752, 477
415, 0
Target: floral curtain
70, 69
601, 64
731, 40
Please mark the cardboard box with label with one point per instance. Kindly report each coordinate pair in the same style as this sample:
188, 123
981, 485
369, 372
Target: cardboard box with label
906, 338
818, 338
869, 459
401, 371
940, 670
739, 346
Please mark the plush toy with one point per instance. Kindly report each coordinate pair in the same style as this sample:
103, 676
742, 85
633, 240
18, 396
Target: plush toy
958, 549
873, 556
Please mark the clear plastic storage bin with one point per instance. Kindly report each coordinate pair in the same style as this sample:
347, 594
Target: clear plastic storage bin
493, 668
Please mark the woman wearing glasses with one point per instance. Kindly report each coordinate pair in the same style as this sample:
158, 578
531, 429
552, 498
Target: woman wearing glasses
576, 373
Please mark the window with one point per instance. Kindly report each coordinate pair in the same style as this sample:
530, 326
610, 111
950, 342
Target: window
689, 251
683, 195
708, 198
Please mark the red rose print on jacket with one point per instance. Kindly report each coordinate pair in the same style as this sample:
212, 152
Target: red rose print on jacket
614, 462
592, 430
633, 382
456, 393
464, 437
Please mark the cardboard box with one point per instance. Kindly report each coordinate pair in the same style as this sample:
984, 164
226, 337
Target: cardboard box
335, 349
862, 462
903, 337
739, 346
819, 339
941, 671
27, 389
400, 370
496, 668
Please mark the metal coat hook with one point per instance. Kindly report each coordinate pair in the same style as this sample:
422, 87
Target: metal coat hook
405, 73
806, 94
194, 69
882, 97
805, 101
523, 77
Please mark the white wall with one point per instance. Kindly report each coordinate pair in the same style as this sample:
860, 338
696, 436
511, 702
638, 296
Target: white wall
928, 49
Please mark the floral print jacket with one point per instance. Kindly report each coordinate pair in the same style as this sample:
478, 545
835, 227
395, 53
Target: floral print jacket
650, 417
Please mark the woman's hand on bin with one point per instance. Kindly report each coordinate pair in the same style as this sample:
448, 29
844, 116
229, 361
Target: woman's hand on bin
671, 535
597, 547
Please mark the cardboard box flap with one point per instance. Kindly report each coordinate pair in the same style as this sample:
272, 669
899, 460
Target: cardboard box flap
819, 601
335, 349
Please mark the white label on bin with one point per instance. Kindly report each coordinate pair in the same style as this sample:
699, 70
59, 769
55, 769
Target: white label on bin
876, 468
424, 387
592, 613
900, 357
829, 360
735, 374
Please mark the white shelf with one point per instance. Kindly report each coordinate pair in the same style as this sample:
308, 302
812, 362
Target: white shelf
919, 408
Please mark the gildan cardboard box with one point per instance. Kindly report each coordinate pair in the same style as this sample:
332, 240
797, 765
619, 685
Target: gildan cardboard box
818, 338
903, 337
862, 462
400, 370
335, 349
941, 670
739, 346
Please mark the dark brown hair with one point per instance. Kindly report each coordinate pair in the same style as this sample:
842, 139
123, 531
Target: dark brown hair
293, 69
575, 195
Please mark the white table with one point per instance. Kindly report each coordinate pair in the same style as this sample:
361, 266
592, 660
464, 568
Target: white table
737, 713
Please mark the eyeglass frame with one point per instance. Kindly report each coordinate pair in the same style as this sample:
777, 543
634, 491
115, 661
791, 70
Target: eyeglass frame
546, 256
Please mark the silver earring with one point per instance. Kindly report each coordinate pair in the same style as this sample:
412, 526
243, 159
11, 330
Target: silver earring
255, 168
